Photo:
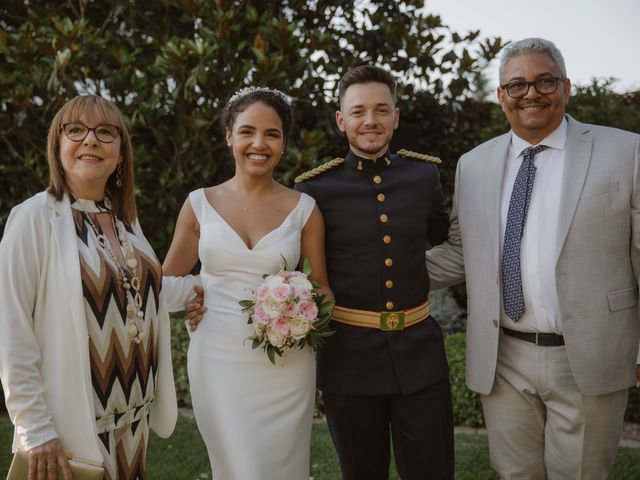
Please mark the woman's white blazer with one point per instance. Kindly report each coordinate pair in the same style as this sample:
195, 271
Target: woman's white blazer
44, 348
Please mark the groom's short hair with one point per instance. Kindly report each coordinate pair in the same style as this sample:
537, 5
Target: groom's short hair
366, 74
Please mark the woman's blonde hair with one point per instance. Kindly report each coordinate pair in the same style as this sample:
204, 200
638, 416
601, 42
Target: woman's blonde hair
102, 111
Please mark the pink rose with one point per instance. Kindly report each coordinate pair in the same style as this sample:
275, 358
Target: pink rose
262, 293
290, 309
308, 310
259, 314
282, 325
303, 294
281, 292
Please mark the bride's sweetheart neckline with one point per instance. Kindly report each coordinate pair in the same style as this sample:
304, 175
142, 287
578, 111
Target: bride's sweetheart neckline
251, 249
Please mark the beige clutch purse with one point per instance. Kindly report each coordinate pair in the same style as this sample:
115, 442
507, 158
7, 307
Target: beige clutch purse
81, 469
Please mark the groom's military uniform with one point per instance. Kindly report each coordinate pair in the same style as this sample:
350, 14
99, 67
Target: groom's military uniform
379, 217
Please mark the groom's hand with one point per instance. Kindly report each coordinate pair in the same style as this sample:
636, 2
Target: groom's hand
195, 308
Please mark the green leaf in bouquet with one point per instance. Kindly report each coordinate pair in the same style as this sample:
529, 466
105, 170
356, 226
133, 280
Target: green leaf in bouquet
271, 353
255, 343
284, 263
246, 304
326, 333
322, 322
306, 267
326, 308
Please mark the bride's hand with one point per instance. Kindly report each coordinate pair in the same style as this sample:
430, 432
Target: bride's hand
45, 459
195, 308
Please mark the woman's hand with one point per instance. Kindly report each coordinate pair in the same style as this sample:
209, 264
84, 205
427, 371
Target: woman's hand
195, 308
45, 459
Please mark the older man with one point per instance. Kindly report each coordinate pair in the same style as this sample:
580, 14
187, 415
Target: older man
546, 229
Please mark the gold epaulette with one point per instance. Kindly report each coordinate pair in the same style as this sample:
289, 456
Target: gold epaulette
318, 170
418, 156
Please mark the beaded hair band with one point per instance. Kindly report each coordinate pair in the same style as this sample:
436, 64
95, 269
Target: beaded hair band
243, 92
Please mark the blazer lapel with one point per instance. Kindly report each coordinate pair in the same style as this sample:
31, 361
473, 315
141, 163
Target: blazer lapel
495, 159
577, 160
64, 234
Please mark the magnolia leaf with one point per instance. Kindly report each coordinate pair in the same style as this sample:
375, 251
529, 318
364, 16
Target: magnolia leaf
255, 343
260, 57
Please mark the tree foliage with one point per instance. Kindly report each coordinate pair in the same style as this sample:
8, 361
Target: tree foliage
170, 66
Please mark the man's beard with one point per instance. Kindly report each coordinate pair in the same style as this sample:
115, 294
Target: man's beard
372, 149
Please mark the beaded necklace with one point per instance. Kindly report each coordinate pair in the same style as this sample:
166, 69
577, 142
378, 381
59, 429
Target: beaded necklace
128, 274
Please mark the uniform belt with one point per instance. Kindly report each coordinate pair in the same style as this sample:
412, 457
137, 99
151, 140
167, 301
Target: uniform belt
542, 339
397, 320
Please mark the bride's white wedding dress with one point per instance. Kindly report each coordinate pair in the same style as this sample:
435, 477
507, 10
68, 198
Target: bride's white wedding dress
255, 417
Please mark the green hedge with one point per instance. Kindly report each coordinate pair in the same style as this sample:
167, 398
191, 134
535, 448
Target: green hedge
467, 408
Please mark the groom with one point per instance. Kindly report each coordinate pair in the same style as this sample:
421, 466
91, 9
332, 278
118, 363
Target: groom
383, 375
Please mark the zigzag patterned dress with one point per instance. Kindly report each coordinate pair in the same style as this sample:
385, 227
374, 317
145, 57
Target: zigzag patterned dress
123, 372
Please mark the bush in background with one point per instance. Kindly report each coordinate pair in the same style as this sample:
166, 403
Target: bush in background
467, 408
171, 65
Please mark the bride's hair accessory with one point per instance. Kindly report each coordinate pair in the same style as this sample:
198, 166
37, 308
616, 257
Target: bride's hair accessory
243, 92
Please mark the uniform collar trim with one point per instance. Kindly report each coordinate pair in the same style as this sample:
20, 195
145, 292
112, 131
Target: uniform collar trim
366, 165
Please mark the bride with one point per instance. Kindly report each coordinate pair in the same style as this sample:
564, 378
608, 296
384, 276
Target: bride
255, 417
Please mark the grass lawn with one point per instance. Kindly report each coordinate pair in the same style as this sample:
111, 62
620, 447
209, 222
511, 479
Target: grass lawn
184, 457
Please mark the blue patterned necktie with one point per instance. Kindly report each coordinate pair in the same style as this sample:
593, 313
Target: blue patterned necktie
516, 217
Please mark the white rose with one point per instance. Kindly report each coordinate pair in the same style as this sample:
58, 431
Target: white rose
272, 307
275, 337
299, 327
301, 282
273, 281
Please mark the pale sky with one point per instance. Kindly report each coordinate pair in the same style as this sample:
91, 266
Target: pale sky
598, 38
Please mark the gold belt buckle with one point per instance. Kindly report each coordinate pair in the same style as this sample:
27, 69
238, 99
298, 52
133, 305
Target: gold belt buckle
392, 321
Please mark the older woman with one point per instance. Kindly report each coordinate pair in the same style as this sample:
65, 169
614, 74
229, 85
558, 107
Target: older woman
84, 332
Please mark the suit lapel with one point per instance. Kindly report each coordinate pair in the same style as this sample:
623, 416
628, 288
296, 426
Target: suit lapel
496, 159
577, 160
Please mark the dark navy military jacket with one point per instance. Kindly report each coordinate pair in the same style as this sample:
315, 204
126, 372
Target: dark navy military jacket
378, 222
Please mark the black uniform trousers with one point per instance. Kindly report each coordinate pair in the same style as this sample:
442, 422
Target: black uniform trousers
419, 425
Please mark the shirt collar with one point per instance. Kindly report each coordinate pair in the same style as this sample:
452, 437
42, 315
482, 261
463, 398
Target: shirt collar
367, 165
555, 139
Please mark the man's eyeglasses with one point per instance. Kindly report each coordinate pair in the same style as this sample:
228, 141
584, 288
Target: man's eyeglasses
77, 132
544, 86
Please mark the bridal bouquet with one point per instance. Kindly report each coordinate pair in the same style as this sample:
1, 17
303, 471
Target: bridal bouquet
288, 311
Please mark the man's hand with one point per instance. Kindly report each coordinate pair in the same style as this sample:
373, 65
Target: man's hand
195, 308
45, 460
